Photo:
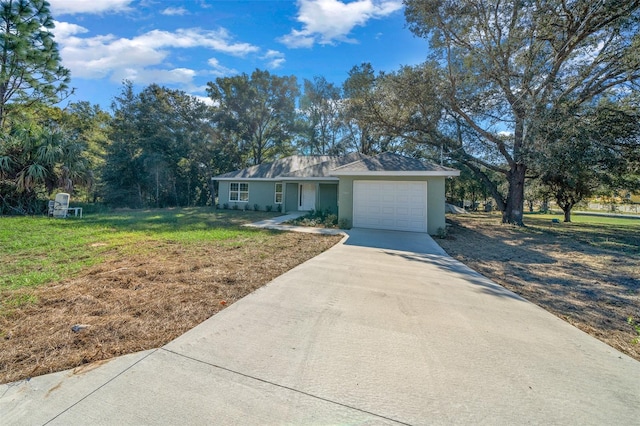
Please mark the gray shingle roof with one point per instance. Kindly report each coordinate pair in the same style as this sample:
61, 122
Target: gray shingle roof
277, 168
389, 162
319, 166
324, 168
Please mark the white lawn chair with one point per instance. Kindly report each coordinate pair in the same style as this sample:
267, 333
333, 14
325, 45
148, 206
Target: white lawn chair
61, 205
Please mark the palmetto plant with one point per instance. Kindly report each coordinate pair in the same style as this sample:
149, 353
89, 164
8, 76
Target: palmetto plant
35, 159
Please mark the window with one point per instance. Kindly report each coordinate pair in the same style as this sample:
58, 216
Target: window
238, 191
278, 199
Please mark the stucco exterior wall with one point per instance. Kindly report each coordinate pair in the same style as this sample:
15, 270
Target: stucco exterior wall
435, 204
345, 199
223, 192
435, 198
327, 197
261, 193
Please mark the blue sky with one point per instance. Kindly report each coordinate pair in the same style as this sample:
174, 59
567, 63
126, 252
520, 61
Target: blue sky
185, 44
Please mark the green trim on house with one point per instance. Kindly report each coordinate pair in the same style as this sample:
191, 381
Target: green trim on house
327, 198
290, 197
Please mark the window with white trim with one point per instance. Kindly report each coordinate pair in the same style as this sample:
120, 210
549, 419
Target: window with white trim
278, 197
239, 191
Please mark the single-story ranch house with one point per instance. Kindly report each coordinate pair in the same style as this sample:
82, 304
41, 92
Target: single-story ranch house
388, 191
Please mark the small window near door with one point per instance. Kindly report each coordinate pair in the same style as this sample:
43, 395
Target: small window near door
278, 198
238, 191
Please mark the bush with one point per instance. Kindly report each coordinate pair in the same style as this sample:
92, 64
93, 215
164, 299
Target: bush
225, 206
235, 207
279, 208
317, 219
246, 207
268, 207
256, 207
343, 224
441, 233
330, 221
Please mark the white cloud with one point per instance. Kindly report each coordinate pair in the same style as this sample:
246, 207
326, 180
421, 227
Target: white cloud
175, 11
70, 7
296, 39
276, 63
206, 100
331, 21
219, 70
274, 59
145, 76
63, 30
139, 58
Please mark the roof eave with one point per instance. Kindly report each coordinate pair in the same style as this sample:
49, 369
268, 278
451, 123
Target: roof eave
244, 178
445, 173
275, 179
310, 178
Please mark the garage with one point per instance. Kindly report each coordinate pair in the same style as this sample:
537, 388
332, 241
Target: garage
392, 205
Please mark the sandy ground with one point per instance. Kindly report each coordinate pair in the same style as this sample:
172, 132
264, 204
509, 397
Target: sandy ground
594, 286
135, 302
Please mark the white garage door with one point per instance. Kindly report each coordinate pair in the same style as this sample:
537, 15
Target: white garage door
400, 206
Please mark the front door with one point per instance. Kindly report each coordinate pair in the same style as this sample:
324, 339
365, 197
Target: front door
307, 196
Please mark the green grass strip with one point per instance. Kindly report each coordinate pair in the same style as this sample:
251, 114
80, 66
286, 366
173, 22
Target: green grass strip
40, 250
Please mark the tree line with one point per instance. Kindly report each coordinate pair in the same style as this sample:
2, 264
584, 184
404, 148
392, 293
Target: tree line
529, 99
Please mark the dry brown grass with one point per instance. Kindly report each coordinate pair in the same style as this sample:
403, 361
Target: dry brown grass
142, 300
134, 302
592, 287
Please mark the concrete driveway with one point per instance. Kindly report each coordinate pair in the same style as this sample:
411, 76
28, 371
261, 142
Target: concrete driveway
381, 329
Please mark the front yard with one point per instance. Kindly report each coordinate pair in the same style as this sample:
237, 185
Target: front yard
127, 281
76, 291
586, 272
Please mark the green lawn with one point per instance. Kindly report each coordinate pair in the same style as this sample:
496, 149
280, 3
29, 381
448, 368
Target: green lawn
617, 233
39, 250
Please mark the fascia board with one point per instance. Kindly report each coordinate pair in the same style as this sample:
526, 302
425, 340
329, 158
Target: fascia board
400, 174
276, 179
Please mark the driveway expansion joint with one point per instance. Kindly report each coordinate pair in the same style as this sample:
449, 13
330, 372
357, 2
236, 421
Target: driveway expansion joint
268, 382
100, 387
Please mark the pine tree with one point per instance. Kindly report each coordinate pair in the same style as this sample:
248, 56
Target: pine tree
30, 69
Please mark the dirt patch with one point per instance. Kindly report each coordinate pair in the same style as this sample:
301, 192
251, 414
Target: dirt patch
595, 289
136, 302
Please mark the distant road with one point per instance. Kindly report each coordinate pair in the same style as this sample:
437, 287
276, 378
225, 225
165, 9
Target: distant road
627, 216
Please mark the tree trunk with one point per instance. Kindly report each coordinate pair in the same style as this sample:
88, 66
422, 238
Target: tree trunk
566, 206
488, 184
514, 208
175, 192
212, 191
140, 195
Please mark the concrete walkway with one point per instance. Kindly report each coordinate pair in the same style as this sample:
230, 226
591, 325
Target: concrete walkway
381, 329
278, 223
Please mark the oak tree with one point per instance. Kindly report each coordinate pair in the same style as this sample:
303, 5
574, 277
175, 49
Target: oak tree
258, 112
506, 65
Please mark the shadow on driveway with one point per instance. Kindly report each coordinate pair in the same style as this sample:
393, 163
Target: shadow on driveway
419, 247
